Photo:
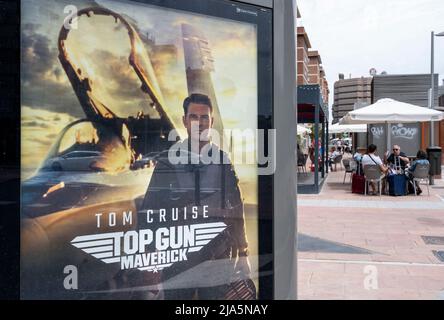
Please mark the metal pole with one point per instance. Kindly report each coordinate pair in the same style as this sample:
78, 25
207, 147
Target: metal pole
431, 181
388, 140
316, 149
323, 150
432, 98
326, 148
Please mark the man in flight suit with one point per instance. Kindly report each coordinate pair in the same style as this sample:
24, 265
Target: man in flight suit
194, 182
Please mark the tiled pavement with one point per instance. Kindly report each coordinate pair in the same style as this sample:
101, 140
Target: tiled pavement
358, 247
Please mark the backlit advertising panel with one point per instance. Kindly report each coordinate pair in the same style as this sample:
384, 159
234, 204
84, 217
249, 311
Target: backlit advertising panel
141, 124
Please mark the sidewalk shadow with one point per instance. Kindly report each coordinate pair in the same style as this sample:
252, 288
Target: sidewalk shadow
312, 244
339, 186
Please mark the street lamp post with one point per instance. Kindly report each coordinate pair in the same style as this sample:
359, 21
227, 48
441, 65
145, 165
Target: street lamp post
432, 91
432, 98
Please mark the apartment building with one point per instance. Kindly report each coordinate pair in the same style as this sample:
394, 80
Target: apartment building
324, 86
303, 44
314, 67
441, 95
350, 92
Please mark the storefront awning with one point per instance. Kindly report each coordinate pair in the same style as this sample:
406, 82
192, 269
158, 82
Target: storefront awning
310, 98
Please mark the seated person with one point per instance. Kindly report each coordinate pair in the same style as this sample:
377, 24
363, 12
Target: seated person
398, 158
359, 154
421, 158
339, 145
347, 148
358, 157
370, 158
331, 158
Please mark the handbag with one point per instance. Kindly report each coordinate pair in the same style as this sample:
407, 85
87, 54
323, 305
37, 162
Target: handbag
241, 290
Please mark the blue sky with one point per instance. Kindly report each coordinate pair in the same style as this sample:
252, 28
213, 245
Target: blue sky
353, 36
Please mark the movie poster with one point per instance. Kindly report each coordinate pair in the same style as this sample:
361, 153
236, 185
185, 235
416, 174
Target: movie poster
118, 198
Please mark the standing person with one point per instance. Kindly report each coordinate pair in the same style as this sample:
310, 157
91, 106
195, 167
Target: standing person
312, 152
398, 159
370, 158
319, 146
298, 148
192, 185
304, 146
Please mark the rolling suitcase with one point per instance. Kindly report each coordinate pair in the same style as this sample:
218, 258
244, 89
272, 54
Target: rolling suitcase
358, 184
397, 184
358, 181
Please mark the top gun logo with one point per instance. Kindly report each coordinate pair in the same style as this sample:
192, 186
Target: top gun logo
130, 248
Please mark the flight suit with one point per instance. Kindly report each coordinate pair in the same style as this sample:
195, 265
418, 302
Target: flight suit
191, 182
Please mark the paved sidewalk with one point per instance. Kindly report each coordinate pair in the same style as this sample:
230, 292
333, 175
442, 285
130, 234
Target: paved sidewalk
370, 247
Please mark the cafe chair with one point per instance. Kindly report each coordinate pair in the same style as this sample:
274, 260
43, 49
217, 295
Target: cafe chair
337, 160
350, 167
421, 174
373, 173
302, 162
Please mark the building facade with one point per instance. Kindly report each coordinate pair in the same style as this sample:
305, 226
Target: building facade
314, 67
324, 86
441, 95
348, 92
303, 44
408, 88
441, 123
